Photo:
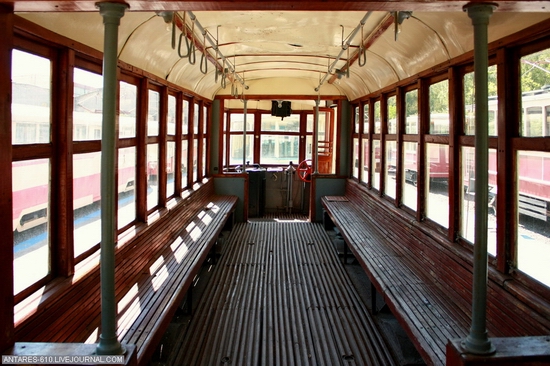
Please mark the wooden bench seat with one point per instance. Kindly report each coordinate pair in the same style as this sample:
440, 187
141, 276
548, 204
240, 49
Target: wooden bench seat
153, 272
426, 280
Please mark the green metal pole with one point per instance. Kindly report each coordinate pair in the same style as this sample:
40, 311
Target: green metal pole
315, 151
477, 341
108, 341
244, 133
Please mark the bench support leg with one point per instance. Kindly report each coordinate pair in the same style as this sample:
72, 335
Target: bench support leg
345, 253
373, 298
189, 301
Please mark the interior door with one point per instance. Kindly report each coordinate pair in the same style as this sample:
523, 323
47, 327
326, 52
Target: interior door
325, 143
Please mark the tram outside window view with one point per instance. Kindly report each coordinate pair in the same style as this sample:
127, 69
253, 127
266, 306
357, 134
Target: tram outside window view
279, 143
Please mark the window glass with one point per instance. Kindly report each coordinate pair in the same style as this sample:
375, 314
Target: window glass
377, 121
366, 119
533, 182
356, 152
31, 205
356, 119
195, 160
470, 104
439, 108
273, 123
467, 229
309, 122
185, 118
126, 186
153, 113
204, 119
88, 105
411, 112
236, 149
391, 165
184, 163
535, 79
410, 151
128, 106
171, 118
376, 164
392, 115
237, 122
203, 173
86, 201
437, 179
309, 147
170, 167
365, 171
152, 175
31, 98
279, 149
196, 119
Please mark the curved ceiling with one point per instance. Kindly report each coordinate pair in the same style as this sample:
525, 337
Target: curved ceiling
286, 52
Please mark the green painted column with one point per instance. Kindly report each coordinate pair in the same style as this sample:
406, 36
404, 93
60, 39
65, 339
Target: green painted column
477, 341
108, 342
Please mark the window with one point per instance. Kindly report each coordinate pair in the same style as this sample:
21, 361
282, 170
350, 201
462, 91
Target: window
184, 144
278, 149
196, 157
31, 206
468, 198
411, 112
533, 182
392, 115
31, 179
356, 152
469, 102
390, 168
88, 105
366, 154
535, 78
126, 186
366, 118
86, 201
376, 164
437, 177
31, 98
377, 121
128, 106
153, 113
409, 173
273, 123
152, 175
356, 148
439, 108
410, 179
171, 146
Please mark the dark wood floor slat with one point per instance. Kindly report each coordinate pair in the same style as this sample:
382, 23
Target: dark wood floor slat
280, 296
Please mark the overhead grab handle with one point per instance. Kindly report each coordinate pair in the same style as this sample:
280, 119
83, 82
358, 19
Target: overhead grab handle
204, 63
362, 60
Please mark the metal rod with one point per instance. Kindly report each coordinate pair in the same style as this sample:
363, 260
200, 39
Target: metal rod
477, 341
315, 146
108, 341
214, 45
244, 134
344, 48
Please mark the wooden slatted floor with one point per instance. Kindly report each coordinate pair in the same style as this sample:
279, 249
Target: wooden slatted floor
280, 296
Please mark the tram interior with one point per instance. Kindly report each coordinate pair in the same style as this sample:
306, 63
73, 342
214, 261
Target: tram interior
309, 167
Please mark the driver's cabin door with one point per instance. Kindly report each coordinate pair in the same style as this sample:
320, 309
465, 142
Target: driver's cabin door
325, 142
